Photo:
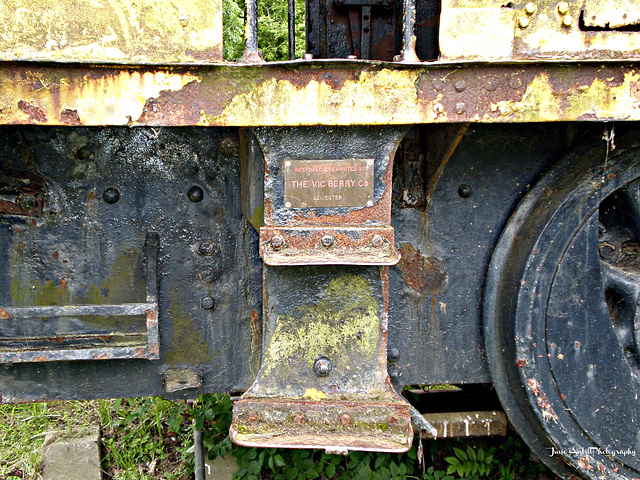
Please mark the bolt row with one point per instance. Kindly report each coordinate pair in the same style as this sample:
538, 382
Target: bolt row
299, 419
530, 8
277, 241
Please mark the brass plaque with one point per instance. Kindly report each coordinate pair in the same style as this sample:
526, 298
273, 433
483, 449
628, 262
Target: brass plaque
328, 183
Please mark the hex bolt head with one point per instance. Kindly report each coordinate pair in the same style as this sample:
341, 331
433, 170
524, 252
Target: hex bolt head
206, 274
322, 367
460, 85
345, 420
607, 251
563, 8
377, 241
393, 354
530, 8
465, 191
206, 248
111, 195
327, 240
229, 147
567, 21
207, 303
277, 242
523, 22
195, 194
28, 202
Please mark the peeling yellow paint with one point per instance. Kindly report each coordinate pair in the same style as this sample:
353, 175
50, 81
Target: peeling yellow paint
379, 97
313, 394
140, 31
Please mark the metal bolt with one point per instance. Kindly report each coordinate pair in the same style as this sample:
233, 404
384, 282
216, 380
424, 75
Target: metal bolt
229, 147
307, 56
563, 8
491, 84
530, 8
437, 85
111, 195
460, 108
206, 274
207, 303
523, 22
322, 367
206, 248
607, 251
460, 85
252, 417
393, 354
327, 241
377, 241
28, 202
515, 83
195, 194
345, 420
567, 21
394, 374
465, 191
277, 242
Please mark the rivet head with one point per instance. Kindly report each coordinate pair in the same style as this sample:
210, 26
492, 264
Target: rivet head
207, 303
277, 242
523, 22
195, 194
393, 354
111, 195
377, 241
491, 84
563, 8
206, 248
345, 420
327, 240
322, 367
465, 191
229, 147
567, 21
515, 83
530, 8
28, 202
460, 85
460, 108
607, 251
206, 274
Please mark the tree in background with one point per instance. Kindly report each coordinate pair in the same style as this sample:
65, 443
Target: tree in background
272, 29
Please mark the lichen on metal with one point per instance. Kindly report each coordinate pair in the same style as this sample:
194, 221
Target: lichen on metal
114, 31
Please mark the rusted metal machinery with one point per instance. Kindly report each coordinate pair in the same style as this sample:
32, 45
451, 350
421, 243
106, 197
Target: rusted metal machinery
438, 192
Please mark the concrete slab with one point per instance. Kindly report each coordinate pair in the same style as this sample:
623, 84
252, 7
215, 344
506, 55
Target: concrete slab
73, 458
222, 468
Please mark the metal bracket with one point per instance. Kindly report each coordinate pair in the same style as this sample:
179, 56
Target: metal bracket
89, 345
327, 243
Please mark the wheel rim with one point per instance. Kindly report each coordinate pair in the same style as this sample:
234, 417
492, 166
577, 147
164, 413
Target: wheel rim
562, 316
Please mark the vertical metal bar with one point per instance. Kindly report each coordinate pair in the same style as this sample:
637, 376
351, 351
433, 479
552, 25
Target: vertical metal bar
251, 53
198, 452
365, 42
292, 29
409, 35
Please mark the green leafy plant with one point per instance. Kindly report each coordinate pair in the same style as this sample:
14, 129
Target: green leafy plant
470, 464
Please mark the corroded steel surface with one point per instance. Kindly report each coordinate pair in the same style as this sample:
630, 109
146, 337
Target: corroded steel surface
328, 246
300, 93
120, 31
533, 30
468, 424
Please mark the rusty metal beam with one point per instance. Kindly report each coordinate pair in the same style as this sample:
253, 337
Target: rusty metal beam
317, 93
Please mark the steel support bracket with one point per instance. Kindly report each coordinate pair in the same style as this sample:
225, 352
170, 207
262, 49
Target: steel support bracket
326, 243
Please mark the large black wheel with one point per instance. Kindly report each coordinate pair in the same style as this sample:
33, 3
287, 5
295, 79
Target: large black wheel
562, 315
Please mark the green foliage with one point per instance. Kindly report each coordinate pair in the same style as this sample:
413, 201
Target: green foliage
470, 464
272, 29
